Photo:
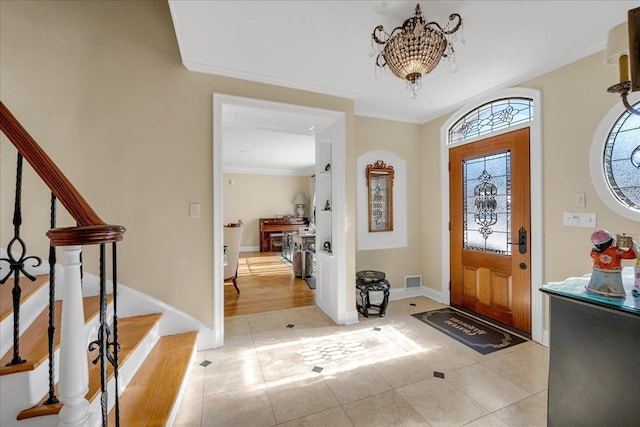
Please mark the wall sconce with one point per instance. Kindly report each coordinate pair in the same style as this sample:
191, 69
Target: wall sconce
300, 202
621, 37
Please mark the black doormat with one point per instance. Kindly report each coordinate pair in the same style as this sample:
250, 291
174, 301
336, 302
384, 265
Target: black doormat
476, 334
311, 282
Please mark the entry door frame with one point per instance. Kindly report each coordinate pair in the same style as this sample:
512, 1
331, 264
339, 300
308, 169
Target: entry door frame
538, 333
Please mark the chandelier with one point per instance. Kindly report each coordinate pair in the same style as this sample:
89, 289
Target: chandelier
415, 48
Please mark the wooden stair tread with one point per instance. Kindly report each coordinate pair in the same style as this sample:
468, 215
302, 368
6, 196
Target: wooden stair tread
131, 331
34, 347
151, 394
28, 288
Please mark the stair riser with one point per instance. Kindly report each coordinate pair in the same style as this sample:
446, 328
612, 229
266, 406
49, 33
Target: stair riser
14, 390
29, 311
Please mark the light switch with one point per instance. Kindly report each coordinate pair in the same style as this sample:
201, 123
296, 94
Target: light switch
194, 210
579, 200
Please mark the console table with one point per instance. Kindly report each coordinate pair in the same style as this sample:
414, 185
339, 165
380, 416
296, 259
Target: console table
278, 225
594, 355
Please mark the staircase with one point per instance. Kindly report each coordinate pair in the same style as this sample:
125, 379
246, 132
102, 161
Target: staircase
92, 360
153, 369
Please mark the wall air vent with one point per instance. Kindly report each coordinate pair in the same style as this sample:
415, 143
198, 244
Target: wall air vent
412, 282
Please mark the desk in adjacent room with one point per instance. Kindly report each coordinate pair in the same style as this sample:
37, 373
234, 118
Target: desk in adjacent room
278, 225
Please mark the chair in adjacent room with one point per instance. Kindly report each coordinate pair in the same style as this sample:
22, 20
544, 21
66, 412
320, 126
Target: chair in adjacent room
232, 238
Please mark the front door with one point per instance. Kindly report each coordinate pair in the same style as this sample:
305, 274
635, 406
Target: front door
490, 224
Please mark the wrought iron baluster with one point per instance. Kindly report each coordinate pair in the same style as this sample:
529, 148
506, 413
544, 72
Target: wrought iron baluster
102, 340
52, 293
116, 345
104, 326
17, 266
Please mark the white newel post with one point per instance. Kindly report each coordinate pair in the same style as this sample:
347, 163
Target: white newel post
74, 372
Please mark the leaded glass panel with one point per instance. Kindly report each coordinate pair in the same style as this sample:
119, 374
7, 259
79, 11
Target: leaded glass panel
487, 203
492, 117
622, 160
379, 189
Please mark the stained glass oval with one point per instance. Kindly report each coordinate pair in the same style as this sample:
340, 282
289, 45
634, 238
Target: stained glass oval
621, 160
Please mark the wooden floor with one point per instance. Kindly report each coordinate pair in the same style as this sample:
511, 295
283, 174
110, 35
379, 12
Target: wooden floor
266, 284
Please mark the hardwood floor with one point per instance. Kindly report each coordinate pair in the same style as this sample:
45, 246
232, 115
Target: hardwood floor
266, 284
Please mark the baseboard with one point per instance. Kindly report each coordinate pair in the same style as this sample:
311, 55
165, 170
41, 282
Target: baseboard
401, 293
432, 294
249, 248
545, 338
351, 317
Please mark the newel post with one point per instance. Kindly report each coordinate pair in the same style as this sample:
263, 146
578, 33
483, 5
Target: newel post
74, 372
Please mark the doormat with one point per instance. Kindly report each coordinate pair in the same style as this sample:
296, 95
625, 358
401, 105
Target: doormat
311, 282
476, 334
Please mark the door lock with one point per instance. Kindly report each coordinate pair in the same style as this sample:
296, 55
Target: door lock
522, 241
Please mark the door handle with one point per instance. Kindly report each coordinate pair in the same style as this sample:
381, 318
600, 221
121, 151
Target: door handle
522, 241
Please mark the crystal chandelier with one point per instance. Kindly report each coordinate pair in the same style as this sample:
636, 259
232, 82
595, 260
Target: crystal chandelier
415, 48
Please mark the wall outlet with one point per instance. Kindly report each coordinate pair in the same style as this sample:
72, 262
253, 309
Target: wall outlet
194, 210
579, 219
579, 200
588, 220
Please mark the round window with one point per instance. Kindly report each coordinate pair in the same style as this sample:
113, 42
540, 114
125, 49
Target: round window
615, 161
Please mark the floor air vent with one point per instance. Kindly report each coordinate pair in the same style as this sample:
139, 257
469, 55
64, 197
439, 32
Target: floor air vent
412, 282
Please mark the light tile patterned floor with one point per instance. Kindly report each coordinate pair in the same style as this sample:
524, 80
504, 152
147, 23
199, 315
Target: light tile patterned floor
379, 372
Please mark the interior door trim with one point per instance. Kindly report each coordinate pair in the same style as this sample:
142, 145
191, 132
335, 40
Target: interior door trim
536, 234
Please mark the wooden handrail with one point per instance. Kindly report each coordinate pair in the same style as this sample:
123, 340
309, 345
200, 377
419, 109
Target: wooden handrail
91, 229
47, 169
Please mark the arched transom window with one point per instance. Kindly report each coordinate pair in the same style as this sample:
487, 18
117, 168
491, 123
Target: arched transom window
492, 117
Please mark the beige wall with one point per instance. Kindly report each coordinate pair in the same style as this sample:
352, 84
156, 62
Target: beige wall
251, 197
402, 139
101, 87
574, 101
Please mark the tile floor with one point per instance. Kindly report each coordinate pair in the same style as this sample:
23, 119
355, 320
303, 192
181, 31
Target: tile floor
296, 368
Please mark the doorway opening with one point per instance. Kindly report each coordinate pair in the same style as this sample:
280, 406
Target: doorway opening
329, 127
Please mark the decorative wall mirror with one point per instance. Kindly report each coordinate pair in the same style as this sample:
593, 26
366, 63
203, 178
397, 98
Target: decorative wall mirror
380, 191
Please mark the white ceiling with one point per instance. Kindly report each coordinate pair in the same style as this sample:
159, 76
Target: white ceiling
324, 47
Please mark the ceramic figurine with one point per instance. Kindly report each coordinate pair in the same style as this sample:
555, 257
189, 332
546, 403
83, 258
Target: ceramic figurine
327, 206
606, 277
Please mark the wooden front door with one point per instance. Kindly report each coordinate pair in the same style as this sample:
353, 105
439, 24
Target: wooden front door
490, 225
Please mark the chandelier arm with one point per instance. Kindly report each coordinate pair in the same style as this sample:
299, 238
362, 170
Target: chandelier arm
451, 18
380, 55
373, 34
